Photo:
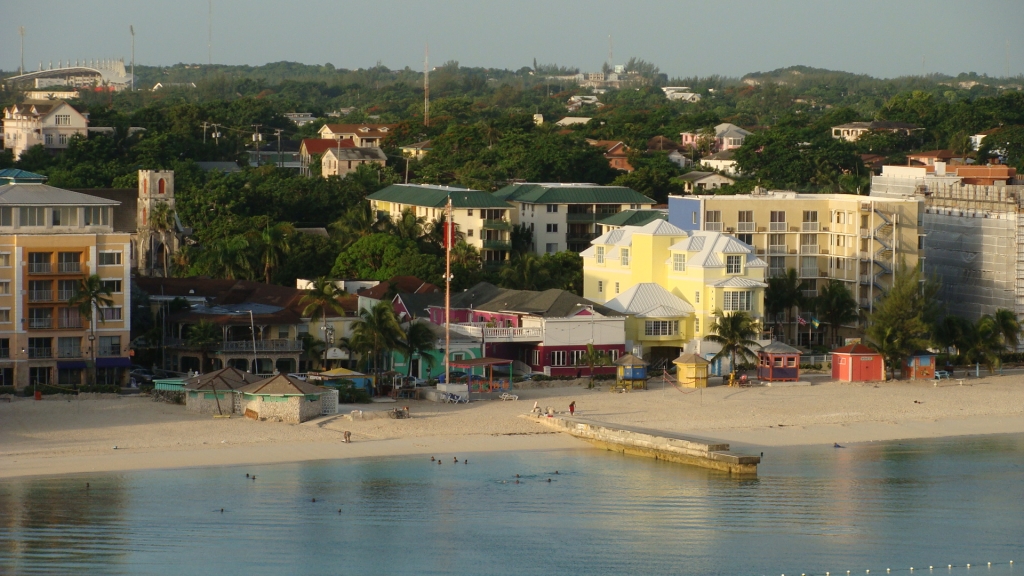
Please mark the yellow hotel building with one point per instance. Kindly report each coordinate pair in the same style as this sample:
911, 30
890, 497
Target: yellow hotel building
50, 239
669, 282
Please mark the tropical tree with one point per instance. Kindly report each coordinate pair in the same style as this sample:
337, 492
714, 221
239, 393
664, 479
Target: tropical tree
319, 302
1009, 328
417, 339
357, 222
735, 333
409, 226
205, 336
524, 272
377, 330
272, 243
836, 306
227, 258
161, 222
521, 239
592, 358
90, 295
953, 333
984, 343
783, 294
902, 320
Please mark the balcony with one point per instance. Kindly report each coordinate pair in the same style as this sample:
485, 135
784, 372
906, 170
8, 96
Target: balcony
69, 353
69, 322
779, 249
40, 352
865, 280
496, 225
809, 293
809, 227
272, 345
809, 272
777, 227
69, 267
809, 249
108, 351
713, 226
533, 334
5, 352
746, 227
776, 272
40, 295
579, 237
65, 295
497, 245
40, 323
40, 268
581, 217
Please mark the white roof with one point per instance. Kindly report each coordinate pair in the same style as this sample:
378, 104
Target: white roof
727, 129
738, 282
708, 245
624, 236
44, 195
650, 300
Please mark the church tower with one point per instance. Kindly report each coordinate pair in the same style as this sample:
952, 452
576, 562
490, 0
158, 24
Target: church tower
155, 221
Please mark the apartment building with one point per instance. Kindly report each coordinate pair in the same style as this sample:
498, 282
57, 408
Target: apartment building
341, 161
566, 216
50, 240
362, 135
669, 282
51, 123
482, 219
859, 240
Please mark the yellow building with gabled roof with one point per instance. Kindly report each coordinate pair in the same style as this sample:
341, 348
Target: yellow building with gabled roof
670, 282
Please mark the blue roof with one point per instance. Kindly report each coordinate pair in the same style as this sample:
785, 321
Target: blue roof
16, 176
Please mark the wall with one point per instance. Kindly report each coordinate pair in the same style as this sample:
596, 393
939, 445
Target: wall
685, 212
582, 330
294, 410
197, 402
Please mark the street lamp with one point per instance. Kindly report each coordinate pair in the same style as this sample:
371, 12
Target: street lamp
252, 326
92, 354
328, 340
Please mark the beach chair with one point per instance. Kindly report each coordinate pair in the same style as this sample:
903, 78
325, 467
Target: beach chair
456, 399
506, 396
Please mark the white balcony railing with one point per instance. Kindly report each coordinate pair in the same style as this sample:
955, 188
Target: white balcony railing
531, 334
746, 227
810, 227
778, 249
40, 295
69, 267
809, 249
713, 226
777, 227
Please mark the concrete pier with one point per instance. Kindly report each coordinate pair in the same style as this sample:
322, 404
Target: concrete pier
656, 444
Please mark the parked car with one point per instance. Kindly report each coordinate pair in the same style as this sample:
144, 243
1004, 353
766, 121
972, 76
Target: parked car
412, 381
455, 375
143, 375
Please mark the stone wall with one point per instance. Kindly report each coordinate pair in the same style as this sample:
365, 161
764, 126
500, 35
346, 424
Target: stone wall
294, 409
201, 404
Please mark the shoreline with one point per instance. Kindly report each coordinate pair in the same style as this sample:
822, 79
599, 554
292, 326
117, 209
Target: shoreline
62, 436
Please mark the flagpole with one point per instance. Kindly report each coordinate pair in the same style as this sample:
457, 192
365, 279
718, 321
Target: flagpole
447, 287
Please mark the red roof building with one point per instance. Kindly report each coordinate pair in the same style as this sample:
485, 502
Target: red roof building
857, 363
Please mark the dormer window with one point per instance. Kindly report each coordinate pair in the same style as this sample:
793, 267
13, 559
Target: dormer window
733, 264
364, 129
384, 129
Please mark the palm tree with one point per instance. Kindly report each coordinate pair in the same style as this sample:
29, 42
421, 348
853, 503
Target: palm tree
783, 294
524, 272
273, 243
434, 233
417, 338
836, 306
91, 295
319, 301
409, 226
377, 330
358, 221
521, 238
161, 221
985, 343
735, 332
592, 358
205, 336
228, 258
953, 332
1009, 328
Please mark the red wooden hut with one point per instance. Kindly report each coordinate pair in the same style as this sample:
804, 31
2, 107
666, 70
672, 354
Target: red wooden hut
778, 362
920, 366
857, 363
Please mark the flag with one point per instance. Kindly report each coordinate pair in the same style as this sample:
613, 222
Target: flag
800, 320
815, 323
449, 235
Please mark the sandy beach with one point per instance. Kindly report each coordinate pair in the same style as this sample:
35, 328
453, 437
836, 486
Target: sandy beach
78, 435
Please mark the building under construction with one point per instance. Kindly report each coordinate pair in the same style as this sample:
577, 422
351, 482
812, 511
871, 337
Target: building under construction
974, 232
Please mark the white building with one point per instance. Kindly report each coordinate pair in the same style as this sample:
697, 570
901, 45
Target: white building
341, 161
50, 123
565, 216
721, 162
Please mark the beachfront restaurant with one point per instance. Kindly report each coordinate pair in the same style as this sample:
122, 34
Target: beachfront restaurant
335, 376
213, 393
283, 398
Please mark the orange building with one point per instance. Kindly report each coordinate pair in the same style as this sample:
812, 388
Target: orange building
50, 240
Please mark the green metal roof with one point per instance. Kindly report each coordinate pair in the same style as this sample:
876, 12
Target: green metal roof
571, 194
437, 196
634, 218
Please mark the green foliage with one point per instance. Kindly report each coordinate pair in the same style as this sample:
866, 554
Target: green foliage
382, 256
836, 306
735, 333
902, 319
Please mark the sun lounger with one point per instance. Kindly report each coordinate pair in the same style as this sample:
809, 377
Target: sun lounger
506, 396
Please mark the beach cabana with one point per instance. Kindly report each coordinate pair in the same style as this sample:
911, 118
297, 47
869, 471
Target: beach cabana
920, 366
169, 384
332, 378
631, 372
281, 397
213, 392
778, 362
857, 363
691, 371
488, 364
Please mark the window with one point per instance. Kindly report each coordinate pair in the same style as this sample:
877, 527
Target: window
600, 286
733, 264
558, 358
840, 241
109, 258
661, 327
840, 217
810, 223
696, 297
713, 220
62, 139
576, 357
32, 216
679, 262
62, 120
808, 239
469, 233
40, 317
110, 346
6, 217
95, 216
5, 260
5, 287
552, 227
49, 139
69, 347
778, 221
920, 242
696, 325
693, 217
745, 221
112, 313
599, 254
616, 287
5, 315
552, 207
535, 357
113, 285
469, 212
551, 247
624, 256
736, 300
747, 239
776, 266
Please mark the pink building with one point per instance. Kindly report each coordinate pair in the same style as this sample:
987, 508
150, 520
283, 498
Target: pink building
727, 137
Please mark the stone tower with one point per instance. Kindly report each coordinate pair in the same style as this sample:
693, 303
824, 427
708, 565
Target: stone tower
157, 242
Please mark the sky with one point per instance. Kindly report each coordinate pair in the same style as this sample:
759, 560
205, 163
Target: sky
882, 38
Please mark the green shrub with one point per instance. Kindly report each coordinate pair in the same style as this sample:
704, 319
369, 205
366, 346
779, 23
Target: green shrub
349, 394
8, 390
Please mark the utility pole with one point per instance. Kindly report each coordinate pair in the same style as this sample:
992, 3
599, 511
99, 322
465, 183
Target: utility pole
21, 32
216, 134
209, 35
131, 29
257, 138
279, 163
205, 124
426, 87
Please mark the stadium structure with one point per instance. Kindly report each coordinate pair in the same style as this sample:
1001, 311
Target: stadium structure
102, 75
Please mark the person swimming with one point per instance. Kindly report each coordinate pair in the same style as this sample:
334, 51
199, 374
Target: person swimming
836, 445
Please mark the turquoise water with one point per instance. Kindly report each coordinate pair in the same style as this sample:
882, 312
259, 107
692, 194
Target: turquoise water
811, 510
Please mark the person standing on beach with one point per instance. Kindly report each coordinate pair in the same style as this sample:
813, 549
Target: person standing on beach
572, 408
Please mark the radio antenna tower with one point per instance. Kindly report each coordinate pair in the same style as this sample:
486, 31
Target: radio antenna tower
426, 87
209, 35
131, 29
611, 54
21, 32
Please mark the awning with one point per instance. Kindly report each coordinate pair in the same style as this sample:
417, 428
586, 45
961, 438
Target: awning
113, 362
70, 365
474, 362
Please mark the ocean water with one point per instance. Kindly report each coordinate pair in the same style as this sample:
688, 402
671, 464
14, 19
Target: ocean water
810, 510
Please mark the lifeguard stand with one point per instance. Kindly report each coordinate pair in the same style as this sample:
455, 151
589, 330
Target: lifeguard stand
692, 371
631, 372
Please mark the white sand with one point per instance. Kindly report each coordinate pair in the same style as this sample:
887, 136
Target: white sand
77, 436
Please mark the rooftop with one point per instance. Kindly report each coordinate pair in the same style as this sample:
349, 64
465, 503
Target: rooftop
45, 195
532, 193
432, 196
634, 218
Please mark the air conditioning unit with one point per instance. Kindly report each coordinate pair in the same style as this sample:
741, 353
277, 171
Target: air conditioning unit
824, 228
730, 229
762, 229
792, 250
794, 229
